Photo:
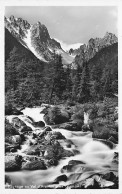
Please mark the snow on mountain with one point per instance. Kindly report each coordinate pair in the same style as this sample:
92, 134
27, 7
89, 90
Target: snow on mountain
28, 42
66, 47
36, 38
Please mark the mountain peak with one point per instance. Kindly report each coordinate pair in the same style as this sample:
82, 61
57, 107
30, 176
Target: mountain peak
36, 38
40, 31
87, 52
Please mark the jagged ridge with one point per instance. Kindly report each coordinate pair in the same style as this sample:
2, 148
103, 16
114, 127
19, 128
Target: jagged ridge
36, 38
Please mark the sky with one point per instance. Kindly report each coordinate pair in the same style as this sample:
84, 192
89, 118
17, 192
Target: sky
70, 24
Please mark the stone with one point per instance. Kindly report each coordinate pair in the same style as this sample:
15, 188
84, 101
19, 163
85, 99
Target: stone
76, 152
109, 176
33, 152
9, 129
16, 139
46, 130
75, 162
57, 135
34, 165
26, 129
18, 123
67, 153
13, 163
51, 162
60, 178
39, 124
71, 126
86, 128
56, 115
7, 180
12, 148
112, 139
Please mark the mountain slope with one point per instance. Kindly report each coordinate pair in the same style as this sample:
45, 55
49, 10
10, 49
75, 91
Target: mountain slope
11, 42
103, 71
87, 52
36, 39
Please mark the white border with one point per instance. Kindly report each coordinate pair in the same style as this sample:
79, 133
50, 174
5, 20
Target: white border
4, 3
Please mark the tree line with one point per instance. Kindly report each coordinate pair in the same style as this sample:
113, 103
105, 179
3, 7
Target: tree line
29, 81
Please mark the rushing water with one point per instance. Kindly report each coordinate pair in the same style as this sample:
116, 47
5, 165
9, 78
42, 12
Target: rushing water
95, 154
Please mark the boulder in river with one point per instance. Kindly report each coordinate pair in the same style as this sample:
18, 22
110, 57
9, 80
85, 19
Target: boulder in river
72, 166
13, 163
101, 131
26, 129
71, 126
9, 129
39, 124
57, 135
56, 115
60, 178
116, 158
45, 131
18, 123
13, 140
75, 162
11, 147
92, 182
34, 165
7, 180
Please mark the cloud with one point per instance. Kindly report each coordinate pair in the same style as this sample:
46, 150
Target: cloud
71, 24
114, 13
66, 46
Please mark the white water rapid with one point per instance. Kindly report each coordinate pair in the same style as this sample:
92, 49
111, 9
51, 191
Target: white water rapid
96, 155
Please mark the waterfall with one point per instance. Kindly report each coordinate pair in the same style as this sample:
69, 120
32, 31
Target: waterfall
86, 118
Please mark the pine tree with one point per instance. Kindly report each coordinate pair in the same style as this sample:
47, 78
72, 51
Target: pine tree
55, 79
10, 70
84, 86
76, 83
68, 83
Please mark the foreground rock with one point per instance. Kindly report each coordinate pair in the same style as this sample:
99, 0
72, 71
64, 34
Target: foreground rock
20, 125
96, 182
101, 131
39, 124
13, 163
34, 165
72, 166
7, 180
10, 129
60, 179
48, 147
71, 126
12, 137
56, 115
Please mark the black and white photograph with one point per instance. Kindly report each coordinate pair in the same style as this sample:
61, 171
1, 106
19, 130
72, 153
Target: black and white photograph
61, 128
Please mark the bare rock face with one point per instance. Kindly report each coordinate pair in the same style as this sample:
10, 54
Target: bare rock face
86, 52
40, 31
36, 38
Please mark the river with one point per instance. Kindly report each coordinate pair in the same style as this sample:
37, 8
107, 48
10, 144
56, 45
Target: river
96, 155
